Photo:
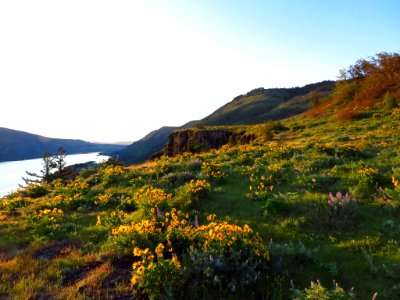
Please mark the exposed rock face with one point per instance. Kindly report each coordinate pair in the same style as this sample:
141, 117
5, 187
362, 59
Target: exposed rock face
198, 140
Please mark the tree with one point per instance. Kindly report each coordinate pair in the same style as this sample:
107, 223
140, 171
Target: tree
59, 159
48, 165
372, 78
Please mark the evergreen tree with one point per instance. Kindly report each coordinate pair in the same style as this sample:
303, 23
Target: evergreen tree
48, 165
59, 159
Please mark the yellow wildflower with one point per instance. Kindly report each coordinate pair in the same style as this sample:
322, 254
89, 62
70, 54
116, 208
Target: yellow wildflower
159, 250
176, 262
135, 279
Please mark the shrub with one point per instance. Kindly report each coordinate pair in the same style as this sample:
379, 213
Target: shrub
367, 181
34, 190
213, 170
276, 205
389, 101
317, 291
147, 199
218, 258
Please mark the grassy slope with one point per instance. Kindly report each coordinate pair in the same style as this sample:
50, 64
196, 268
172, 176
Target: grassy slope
358, 248
266, 104
255, 107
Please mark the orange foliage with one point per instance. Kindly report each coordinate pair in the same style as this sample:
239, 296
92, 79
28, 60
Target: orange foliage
363, 85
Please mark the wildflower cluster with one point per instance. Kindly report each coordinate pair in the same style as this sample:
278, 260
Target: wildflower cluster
114, 170
199, 186
79, 184
367, 172
53, 212
338, 204
212, 169
339, 200
112, 173
103, 199
114, 218
14, 202
148, 198
260, 183
276, 150
160, 243
161, 169
57, 183
48, 217
141, 229
154, 273
260, 186
73, 191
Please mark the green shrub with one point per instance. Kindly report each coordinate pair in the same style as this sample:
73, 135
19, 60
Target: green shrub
389, 101
276, 205
35, 190
317, 291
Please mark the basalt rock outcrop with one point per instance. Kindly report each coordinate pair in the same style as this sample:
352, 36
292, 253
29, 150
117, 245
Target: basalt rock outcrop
198, 140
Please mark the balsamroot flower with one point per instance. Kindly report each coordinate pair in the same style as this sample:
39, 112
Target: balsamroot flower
339, 200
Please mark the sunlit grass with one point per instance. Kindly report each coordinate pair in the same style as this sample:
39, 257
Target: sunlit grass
279, 188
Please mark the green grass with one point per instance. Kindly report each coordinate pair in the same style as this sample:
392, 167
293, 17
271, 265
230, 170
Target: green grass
357, 247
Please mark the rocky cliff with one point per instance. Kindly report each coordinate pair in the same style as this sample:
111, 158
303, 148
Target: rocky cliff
197, 140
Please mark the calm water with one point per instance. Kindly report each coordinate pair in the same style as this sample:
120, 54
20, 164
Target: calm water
11, 172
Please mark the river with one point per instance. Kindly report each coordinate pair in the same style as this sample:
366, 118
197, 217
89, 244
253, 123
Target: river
11, 172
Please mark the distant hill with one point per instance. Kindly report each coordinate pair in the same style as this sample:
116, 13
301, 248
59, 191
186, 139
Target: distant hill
254, 107
262, 104
153, 142
19, 145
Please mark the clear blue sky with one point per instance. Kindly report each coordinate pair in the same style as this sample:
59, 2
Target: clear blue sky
115, 70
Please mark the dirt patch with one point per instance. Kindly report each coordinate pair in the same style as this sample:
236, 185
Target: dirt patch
122, 269
56, 250
121, 273
80, 274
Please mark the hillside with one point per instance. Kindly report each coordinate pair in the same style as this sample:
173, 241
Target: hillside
307, 207
262, 104
19, 145
82, 237
144, 148
254, 107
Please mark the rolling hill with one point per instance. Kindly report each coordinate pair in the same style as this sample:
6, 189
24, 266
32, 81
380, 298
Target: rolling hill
311, 212
19, 145
153, 142
262, 104
254, 107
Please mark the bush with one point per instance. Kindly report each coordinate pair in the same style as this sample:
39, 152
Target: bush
268, 128
318, 292
276, 205
219, 259
389, 101
35, 190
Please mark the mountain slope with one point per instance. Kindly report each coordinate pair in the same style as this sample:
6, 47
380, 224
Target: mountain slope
254, 107
262, 104
19, 145
153, 142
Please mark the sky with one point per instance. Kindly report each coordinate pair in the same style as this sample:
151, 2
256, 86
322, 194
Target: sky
112, 71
